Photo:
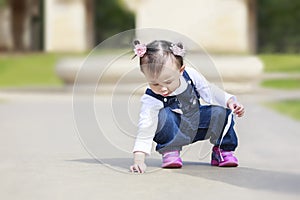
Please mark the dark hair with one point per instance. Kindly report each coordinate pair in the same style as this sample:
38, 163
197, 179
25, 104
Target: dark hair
158, 52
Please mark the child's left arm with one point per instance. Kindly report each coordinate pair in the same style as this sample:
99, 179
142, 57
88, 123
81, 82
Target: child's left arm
236, 107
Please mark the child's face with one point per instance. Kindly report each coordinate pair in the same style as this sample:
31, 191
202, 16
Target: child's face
167, 81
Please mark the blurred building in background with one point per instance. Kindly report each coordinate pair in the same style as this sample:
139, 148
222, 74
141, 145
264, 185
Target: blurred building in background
69, 25
218, 25
50, 25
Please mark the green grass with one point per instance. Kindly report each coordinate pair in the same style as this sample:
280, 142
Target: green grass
289, 63
35, 69
288, 107
281, 63
28, 69
19, 70
287, 84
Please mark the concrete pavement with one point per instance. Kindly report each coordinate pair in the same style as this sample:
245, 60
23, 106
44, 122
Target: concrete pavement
42, 156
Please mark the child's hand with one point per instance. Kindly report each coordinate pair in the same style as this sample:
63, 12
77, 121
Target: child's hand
236, 107
138, 168
139, 165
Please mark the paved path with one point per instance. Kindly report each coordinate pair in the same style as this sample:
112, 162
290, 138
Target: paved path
42, 156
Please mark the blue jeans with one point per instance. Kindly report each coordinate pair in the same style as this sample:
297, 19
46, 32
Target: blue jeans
212, 121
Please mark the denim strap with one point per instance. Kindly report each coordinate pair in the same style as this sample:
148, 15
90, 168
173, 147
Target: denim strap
169, 100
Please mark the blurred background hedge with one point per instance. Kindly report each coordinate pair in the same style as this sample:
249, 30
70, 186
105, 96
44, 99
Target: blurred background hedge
278, 26
112, 17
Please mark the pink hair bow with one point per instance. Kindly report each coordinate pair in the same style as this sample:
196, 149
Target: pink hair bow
140, 50
176, 50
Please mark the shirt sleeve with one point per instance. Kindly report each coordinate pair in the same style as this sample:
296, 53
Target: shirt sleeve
147, 125
210, 93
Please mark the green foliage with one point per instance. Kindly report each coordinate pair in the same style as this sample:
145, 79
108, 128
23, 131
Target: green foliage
288, 84
2, 3
281, 62
28, 70
278, 26
112, 17
288, 107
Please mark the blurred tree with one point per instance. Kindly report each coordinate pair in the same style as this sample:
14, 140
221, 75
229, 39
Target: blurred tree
278, 26
2, 3
18, 10
111, 17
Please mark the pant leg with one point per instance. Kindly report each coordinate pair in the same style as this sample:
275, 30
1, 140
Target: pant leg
168, 136
229, 142
213, 120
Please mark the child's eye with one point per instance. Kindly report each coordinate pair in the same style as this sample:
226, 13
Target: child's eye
155, 84
168, 82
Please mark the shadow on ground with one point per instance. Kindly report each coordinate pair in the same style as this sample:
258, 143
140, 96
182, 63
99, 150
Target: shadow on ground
250, 178
246, 177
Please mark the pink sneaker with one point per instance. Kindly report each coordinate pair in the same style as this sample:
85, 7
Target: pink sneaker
171, 160
223, 158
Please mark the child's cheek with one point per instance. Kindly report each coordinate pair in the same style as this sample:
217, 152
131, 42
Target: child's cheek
175, 85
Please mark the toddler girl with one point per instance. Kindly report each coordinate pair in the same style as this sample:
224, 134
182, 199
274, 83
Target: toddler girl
171, 113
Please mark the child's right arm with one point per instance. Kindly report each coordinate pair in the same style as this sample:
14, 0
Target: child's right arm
146, 130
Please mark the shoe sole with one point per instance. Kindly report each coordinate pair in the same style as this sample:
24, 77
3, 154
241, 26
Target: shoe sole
228, 164
224, 164
177, 164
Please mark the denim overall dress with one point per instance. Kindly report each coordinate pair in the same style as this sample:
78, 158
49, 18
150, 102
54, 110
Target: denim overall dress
183, 121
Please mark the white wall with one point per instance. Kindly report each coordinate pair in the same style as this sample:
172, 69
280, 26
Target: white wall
218, 25
5, 33
65, 25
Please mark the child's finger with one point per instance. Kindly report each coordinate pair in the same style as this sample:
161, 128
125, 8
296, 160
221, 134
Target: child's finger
241, 109
140, 169
136, 169
241, 112
133, 169
232, 107
238, 109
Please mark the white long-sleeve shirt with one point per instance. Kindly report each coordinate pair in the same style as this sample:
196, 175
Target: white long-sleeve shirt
151, 106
